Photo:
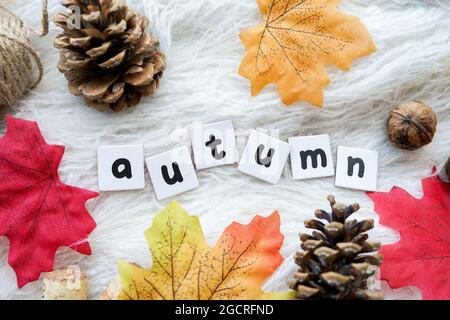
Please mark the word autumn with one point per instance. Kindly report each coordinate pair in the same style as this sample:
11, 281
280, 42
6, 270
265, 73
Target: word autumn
264, 157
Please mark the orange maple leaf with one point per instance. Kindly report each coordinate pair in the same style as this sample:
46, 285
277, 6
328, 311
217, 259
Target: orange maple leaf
297, 40
186, 268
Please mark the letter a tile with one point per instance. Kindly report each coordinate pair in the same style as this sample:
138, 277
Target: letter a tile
121, 168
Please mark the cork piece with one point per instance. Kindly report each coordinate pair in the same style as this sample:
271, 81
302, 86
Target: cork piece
65, 284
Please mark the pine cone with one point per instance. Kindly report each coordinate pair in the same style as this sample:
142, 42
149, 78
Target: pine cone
106, 54
336, 261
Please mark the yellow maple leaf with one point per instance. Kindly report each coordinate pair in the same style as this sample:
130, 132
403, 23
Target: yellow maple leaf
296, 41
186, 268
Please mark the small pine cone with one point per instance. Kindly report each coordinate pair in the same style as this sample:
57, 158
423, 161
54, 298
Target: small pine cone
106, 54
445, 172
337, 259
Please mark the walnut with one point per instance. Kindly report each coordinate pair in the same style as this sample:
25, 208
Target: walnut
411, 125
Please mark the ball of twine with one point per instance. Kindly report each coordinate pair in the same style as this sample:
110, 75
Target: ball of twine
18, 60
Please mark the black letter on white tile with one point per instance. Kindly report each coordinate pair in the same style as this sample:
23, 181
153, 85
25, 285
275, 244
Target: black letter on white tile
314, 155
267, 161
177, 176
351, 164
126, 172
213, 143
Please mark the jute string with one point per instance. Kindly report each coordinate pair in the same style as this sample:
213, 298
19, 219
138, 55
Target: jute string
18, 60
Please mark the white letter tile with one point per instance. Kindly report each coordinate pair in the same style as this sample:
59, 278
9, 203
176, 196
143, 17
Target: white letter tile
121, 168
357, 169
311, 157
264, 157
214, 145
172, 173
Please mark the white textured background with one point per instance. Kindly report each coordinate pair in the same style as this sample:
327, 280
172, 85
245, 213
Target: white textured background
200, 39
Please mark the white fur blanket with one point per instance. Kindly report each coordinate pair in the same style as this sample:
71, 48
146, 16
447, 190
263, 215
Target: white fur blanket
201, 84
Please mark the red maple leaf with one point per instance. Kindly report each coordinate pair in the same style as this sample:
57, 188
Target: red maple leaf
422, 257
38, 213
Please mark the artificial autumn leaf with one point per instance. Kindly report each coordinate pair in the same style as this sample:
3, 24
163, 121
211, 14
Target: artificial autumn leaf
38, 213
185, 267
422, 257
296, 41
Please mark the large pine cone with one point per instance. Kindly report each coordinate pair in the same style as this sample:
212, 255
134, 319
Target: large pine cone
337, 261
106, 54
